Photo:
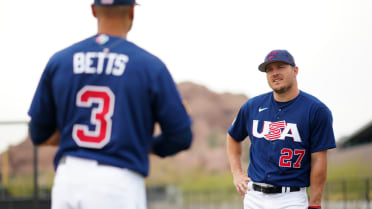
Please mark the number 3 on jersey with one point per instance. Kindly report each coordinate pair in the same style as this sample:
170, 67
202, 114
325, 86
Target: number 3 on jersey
100, 116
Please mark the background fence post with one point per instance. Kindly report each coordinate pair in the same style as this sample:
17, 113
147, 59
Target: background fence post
344, 193
326, 191
367, 193
36, 185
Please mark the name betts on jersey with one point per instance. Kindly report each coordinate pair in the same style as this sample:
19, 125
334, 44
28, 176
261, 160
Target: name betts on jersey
93, 63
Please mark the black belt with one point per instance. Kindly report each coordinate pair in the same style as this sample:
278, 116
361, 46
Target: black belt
275, 189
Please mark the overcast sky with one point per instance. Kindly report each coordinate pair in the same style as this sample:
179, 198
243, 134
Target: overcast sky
215, 43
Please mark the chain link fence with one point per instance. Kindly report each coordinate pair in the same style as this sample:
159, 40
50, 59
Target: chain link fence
338, 194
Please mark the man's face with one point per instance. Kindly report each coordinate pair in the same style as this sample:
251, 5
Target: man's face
281, 76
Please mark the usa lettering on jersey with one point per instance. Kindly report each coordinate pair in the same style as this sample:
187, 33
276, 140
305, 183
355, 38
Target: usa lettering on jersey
276, 130
94, 63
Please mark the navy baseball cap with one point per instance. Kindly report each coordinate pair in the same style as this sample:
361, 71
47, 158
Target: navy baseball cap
114, 2
277, 56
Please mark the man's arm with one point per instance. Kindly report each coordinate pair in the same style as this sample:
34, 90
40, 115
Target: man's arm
234, 153
170, 144
42, 134
318, 176
53, 140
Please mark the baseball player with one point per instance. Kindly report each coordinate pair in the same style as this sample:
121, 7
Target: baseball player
99, 100
290, 132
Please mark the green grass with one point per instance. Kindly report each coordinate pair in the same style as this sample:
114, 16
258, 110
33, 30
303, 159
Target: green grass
217, 187
23, 185
348, 181
195, 179
348, 170
348, 189
207, 183
347, 176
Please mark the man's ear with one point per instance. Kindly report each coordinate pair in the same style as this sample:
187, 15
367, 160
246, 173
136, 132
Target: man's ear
93, 10
131, 12
295, 70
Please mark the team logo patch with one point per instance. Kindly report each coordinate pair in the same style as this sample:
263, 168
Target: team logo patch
107, 1
102, 39
271, 55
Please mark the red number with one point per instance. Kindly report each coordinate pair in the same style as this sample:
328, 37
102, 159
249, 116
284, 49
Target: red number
285, 159
301, 154
287, 155
100, 116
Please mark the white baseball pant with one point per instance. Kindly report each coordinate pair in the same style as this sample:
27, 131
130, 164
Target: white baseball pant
84, 184
286, 200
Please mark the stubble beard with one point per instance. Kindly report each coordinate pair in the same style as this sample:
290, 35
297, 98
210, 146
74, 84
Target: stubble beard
283, 90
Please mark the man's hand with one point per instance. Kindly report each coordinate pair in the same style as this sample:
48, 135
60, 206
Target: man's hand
241, 183
234, 153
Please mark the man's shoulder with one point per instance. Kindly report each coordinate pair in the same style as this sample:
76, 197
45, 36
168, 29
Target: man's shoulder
136, 53
144, 55
311, 100
69, 50
257, 101
265, 97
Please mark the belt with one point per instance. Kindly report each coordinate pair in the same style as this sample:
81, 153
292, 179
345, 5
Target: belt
275, 189
76, 160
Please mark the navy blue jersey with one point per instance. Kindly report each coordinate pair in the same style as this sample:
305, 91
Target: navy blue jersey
104, 94
283, 136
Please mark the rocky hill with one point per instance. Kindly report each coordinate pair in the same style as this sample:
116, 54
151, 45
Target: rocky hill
212, 113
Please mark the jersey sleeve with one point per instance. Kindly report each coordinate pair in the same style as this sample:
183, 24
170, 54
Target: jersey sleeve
166, 145
167, 103
322, 136
238, 129
42, 109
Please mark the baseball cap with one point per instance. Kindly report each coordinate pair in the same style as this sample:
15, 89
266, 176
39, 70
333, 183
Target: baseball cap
114, 2
277, 56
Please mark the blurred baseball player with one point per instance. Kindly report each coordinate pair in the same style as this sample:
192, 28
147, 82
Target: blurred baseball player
290, 133
99, 100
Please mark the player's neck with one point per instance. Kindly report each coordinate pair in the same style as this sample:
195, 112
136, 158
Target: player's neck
114, 28
287, 96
